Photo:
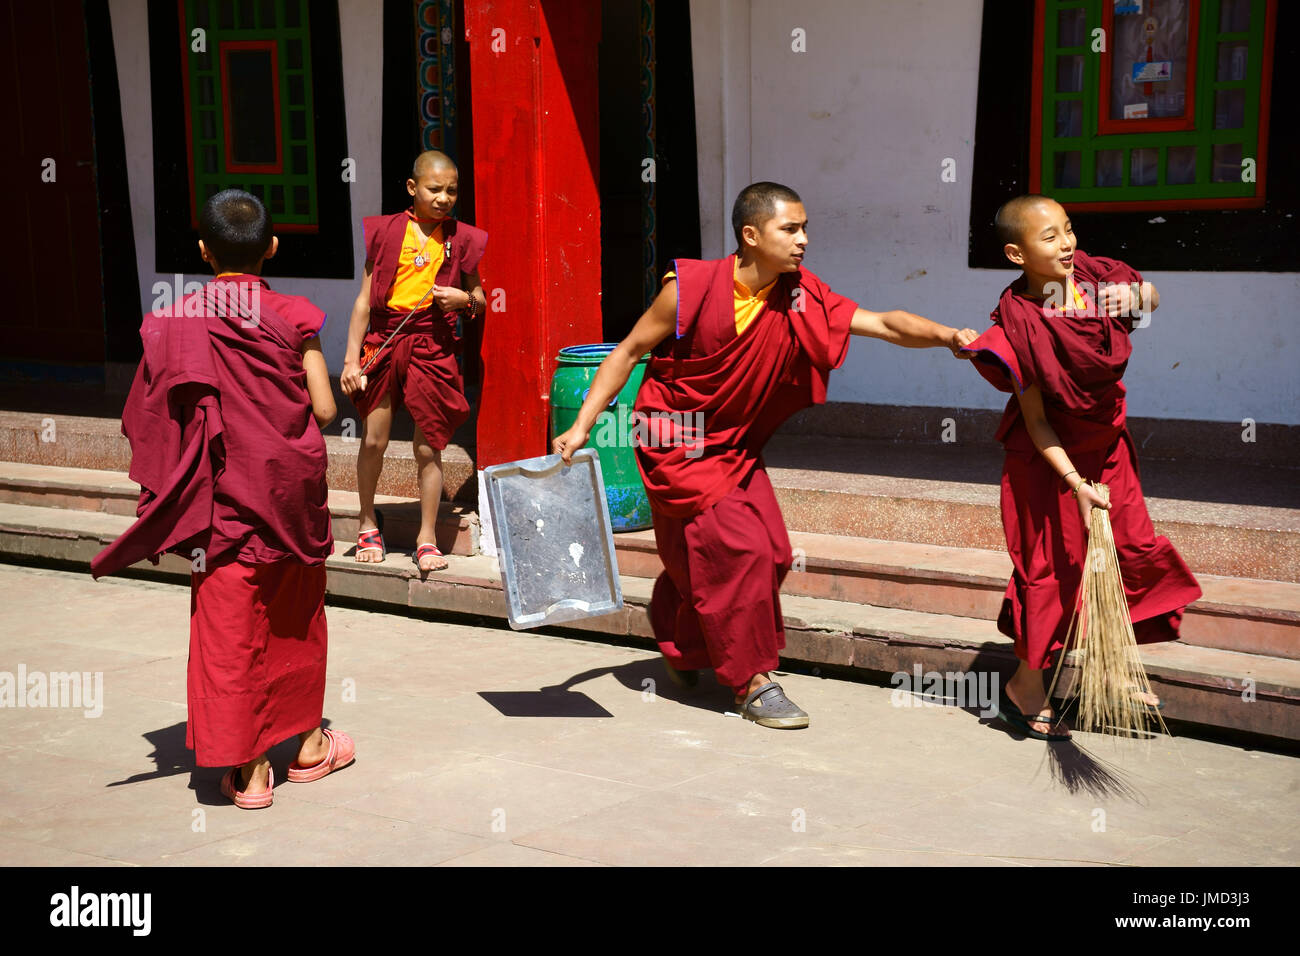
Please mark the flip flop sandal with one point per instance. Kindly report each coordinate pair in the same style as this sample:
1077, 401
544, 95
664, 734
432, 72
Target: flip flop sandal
685, 679
372, 540
342, 753
769, 707
1010, 714
245, 801
424, 551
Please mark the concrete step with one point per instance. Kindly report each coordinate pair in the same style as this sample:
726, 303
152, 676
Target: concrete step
1248, 615
1227, 518
79, 441
1219, 688
1245, 615
1230, 518
113, 492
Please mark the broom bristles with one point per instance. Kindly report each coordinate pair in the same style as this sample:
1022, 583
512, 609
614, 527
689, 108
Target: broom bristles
1111, 675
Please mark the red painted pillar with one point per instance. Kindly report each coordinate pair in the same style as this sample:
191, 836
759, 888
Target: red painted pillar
533, 67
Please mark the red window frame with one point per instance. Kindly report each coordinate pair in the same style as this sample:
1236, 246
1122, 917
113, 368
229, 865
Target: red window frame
225, 48
1162, 124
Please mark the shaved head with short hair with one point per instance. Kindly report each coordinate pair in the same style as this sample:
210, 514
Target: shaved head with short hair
432, 159
1010, 220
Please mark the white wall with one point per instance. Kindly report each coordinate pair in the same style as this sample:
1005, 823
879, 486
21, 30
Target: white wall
360, 28
859, 125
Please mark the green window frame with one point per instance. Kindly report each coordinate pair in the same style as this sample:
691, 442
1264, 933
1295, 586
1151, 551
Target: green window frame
1080, 162
287, 185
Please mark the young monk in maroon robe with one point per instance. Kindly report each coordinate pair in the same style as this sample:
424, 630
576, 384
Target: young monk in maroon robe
425, 260
739, 345
224, 422
1060, 344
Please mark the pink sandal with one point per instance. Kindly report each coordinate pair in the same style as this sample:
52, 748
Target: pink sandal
426, 550
245, 801
341, 753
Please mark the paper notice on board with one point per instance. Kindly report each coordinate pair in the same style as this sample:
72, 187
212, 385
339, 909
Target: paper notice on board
1135, 111
1154, 72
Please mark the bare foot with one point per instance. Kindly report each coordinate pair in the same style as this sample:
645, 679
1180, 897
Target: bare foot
255, 776
430, 560
1151, 700
1041, 717
755, 682
313, 747
368, 556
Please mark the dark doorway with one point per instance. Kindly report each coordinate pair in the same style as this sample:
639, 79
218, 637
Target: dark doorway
56, 308
647, 111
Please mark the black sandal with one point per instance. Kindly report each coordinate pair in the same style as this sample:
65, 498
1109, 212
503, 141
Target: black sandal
1010, 714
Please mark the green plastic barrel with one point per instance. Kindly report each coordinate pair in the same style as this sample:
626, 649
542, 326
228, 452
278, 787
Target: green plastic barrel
611, 436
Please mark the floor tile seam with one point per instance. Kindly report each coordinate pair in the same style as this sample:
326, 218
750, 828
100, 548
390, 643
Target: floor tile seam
97, 856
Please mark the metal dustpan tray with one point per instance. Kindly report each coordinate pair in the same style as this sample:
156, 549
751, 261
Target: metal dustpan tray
554, 540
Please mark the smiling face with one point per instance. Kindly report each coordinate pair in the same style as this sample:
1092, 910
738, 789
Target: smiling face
434, 191
782, 240
1046, 246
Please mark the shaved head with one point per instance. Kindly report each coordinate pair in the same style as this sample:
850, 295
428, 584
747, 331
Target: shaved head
1010, 220
432, 159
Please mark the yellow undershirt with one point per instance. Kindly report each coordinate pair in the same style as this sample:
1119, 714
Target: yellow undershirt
748, 304
412, 281
1080, 303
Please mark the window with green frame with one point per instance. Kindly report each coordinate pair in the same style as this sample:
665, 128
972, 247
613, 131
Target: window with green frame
1170, 112
248, 102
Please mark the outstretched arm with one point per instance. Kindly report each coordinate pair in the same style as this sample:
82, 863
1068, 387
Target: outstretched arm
656, 324
910, 331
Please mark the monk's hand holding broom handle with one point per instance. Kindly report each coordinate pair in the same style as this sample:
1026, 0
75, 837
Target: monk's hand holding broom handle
1086, 494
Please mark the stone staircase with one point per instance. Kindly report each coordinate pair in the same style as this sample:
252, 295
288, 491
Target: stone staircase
911, 579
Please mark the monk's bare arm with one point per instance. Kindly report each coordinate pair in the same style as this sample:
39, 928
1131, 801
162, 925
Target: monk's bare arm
318, 382
473, 286
1049, 446
656, 324
910, 331
450, 299
350, 379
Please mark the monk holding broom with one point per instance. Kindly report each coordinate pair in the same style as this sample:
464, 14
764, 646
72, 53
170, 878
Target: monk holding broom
740, 344
1060, 344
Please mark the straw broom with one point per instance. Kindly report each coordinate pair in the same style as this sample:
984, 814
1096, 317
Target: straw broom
1111, 675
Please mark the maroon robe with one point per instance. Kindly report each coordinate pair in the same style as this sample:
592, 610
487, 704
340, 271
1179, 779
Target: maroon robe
1077, 361
419, 369
231, 466
717, 525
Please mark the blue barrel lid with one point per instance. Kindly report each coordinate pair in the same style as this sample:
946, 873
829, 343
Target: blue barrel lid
589, 354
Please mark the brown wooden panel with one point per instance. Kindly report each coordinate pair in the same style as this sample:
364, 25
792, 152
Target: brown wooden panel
57, 314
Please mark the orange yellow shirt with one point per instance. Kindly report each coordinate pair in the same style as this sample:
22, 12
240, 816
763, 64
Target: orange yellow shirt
748, 304
412, 281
